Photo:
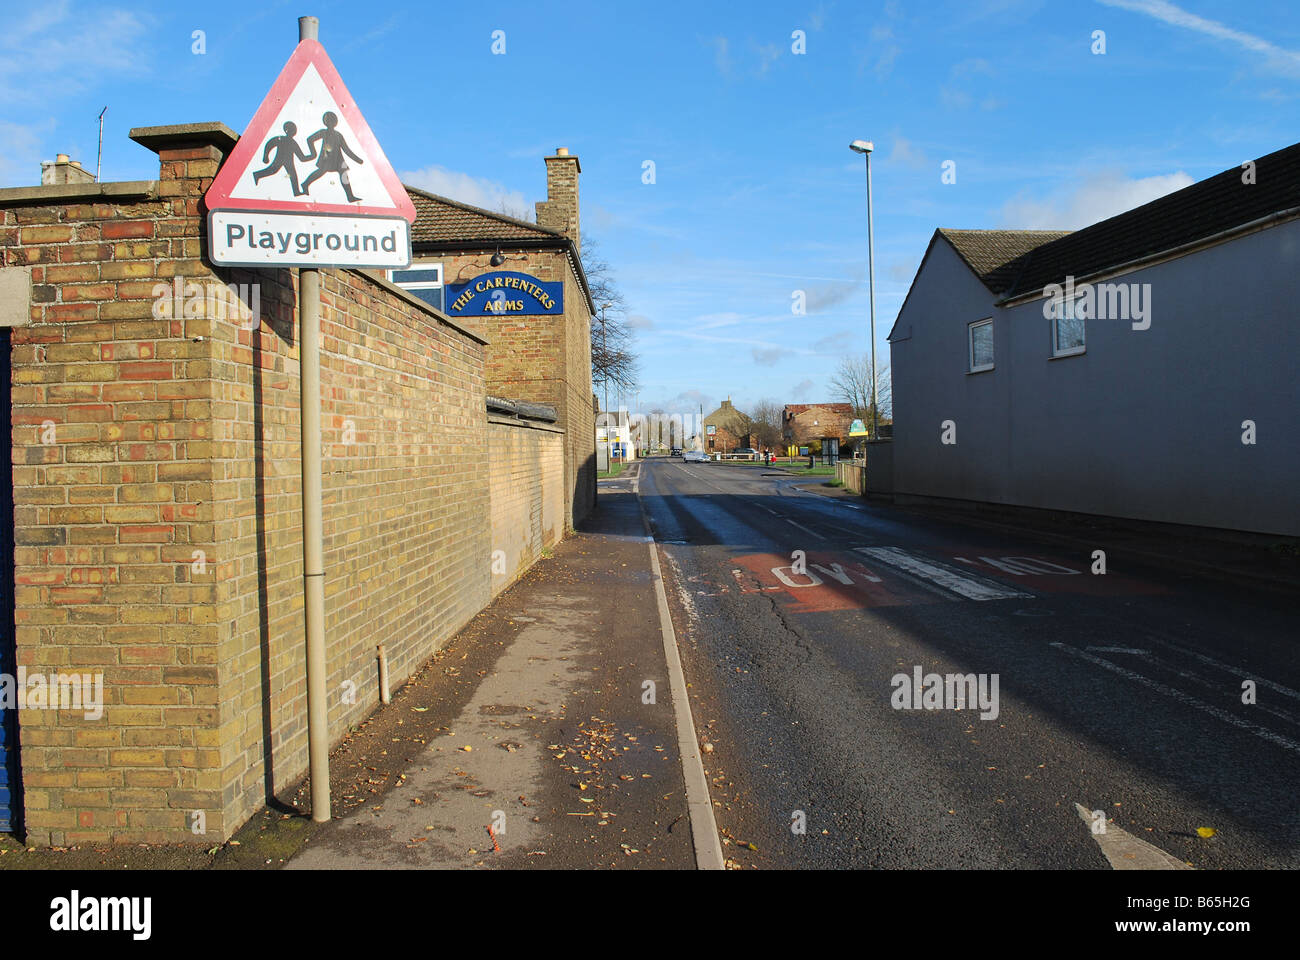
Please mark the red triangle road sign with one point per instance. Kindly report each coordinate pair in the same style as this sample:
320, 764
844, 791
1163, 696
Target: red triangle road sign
308, 185
309, 150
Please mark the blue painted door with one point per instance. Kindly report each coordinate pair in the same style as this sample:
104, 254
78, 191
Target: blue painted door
10, 810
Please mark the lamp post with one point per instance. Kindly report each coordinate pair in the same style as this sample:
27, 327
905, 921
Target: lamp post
604, 352
865, 147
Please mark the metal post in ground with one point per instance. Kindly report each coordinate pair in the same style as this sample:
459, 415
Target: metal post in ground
313, 532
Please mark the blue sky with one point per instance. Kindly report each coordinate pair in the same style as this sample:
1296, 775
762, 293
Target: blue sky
756, 194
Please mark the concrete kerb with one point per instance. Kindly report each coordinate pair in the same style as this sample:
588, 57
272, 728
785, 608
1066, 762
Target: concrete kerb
699, 803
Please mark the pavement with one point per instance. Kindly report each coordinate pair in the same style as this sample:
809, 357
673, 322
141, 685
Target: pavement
551, 756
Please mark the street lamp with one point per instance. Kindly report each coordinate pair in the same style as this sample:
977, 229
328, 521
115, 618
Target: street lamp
865, 147
604, 351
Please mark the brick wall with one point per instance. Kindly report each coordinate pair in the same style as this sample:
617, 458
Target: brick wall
802, 424
159, 536
545, 359
406, 546
526, 465
579, 415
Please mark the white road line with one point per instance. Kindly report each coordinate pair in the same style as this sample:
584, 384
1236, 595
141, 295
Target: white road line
1236, 671
1217, 685
1212, 683
1262, 732
699, 806
811, 533
1126, 852
960, 583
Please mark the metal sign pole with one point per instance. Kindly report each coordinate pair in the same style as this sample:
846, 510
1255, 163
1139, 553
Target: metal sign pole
313, 526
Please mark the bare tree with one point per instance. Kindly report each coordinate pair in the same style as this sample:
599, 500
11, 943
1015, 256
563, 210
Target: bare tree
508, 208
764, 424
851, 383
613, 341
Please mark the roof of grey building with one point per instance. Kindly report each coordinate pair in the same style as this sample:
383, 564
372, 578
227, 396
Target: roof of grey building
997, 256
1015, 263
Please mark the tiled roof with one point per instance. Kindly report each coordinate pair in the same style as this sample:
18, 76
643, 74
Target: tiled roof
1213, 206
997, 256
727, 417
443, 220
797, 408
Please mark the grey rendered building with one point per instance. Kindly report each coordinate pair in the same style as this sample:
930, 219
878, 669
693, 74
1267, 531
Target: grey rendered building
1147, 366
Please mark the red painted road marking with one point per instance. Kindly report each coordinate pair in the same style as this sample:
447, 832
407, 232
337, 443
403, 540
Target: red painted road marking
831, 581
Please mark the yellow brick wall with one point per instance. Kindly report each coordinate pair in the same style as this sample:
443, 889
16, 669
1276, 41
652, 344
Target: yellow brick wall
526, 475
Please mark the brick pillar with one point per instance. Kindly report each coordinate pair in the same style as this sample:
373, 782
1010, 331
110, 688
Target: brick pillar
115, 469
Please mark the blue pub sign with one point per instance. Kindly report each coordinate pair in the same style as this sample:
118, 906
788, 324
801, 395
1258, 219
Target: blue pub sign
504, 293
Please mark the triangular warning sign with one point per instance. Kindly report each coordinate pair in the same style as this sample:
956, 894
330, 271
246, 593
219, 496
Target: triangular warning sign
308, 150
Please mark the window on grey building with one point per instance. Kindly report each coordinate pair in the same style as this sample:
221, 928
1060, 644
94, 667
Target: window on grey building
423, 280
1067, 329
981, 345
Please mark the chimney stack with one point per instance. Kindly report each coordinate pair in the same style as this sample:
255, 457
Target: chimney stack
559, 211
63, 170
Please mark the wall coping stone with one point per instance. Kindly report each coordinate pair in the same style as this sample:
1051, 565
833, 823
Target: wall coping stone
180, 135
53, 193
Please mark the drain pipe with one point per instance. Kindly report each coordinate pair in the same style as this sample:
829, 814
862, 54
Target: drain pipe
313, 535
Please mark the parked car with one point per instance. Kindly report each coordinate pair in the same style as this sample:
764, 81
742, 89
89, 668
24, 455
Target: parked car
695, 456
675, 452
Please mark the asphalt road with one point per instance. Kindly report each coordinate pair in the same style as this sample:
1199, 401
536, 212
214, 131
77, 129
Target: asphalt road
1120, 692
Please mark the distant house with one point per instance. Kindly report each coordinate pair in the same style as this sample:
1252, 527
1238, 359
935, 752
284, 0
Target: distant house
621, 431
726, 429
804, 424
1143, 367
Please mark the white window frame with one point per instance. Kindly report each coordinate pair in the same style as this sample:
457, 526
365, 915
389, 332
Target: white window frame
413, 285
970, 346
1056, 320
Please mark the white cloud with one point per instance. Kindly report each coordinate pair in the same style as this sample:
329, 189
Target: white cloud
800, 390
963, 78
1278, 58
475, 191
823, 296
906, 154
67, 51
770, 357
688, 401
835, 343
722, 55
637, 322
882, 38
1101, 196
